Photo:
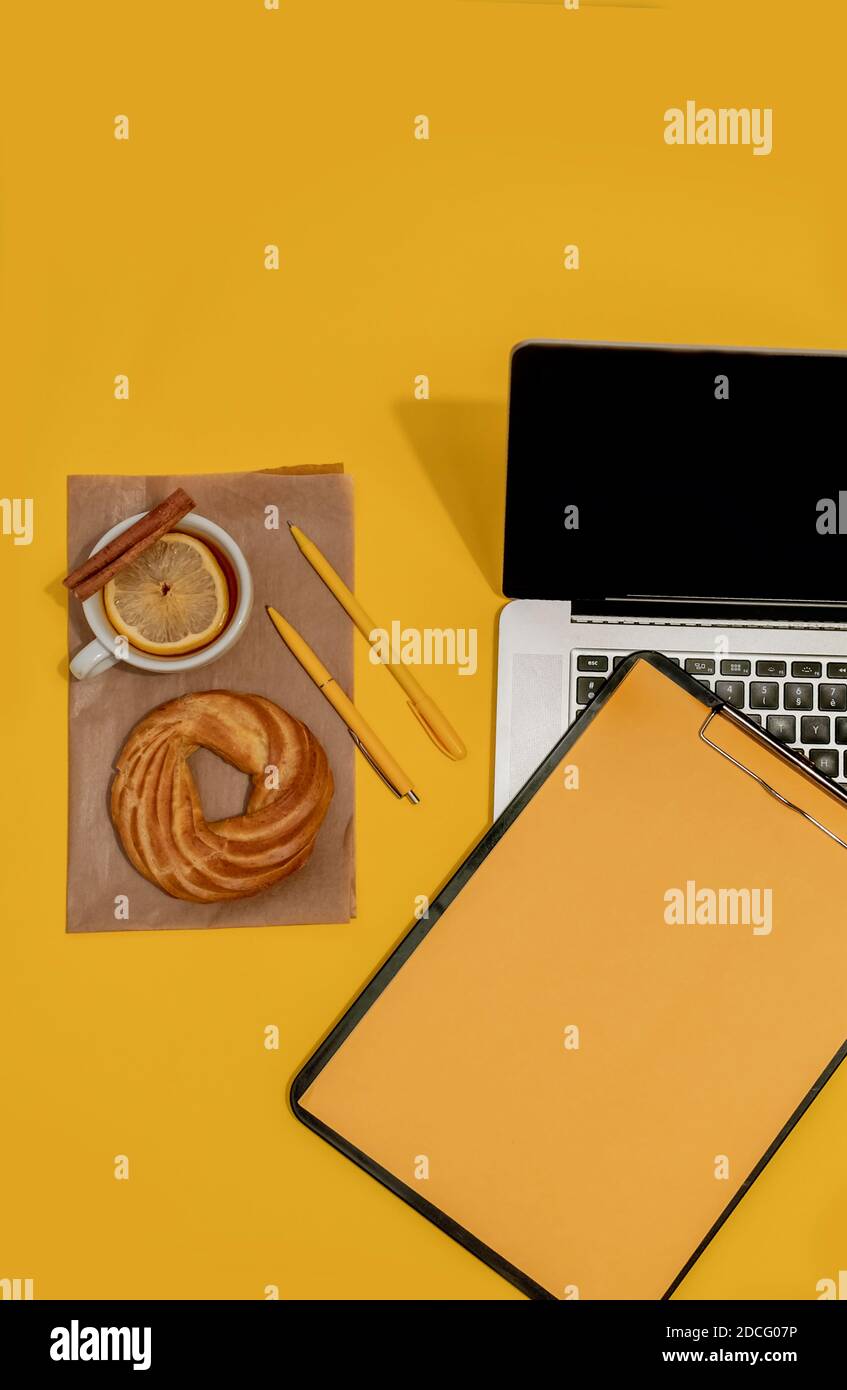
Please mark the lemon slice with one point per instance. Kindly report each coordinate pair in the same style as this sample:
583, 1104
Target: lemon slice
172, 599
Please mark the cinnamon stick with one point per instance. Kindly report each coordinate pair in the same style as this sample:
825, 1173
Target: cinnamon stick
95, 572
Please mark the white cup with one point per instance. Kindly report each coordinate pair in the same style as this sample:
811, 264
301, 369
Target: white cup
108, 648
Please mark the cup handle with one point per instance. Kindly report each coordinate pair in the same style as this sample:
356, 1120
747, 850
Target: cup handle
93, 660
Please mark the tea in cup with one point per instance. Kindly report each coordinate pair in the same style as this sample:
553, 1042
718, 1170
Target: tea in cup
180, 605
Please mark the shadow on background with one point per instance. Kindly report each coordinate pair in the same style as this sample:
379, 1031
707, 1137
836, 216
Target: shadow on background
462, 446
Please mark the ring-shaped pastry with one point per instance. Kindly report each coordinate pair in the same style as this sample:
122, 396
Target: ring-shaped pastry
156, 807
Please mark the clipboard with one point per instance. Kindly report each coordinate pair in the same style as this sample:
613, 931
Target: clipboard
580, 1059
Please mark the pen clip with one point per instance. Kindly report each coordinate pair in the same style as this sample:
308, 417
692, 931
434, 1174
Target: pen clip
374, 764
436, 738
429, 729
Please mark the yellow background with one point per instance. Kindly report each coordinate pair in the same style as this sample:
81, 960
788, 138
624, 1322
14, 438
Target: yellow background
398, 257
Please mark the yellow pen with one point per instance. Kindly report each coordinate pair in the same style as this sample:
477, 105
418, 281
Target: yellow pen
361, 733
441, 732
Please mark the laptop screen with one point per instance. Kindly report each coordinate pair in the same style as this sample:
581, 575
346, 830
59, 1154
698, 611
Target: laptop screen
648, 472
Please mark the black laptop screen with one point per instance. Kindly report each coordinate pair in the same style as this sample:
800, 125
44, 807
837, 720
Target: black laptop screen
646, 472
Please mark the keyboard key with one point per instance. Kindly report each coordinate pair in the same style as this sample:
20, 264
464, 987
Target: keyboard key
809, 670
592, 663
587, 687
783, 727
814, 728
797, 695
826, 760
770, 668
699, 666
731, 691
754, 719
832, 697
737, 666
841, 731
764, 695
836, 670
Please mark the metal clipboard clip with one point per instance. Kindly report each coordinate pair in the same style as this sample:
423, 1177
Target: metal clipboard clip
791, 758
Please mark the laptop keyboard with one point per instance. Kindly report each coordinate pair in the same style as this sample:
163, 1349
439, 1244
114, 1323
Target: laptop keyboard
801, 702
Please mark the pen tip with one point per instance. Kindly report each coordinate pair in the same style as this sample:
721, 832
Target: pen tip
414, 798
289, 524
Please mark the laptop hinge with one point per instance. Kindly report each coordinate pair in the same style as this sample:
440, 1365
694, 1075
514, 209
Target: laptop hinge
629, 621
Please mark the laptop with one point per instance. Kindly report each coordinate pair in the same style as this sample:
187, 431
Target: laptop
696, 490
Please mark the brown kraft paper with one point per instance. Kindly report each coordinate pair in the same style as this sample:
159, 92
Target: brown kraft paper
104, 708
